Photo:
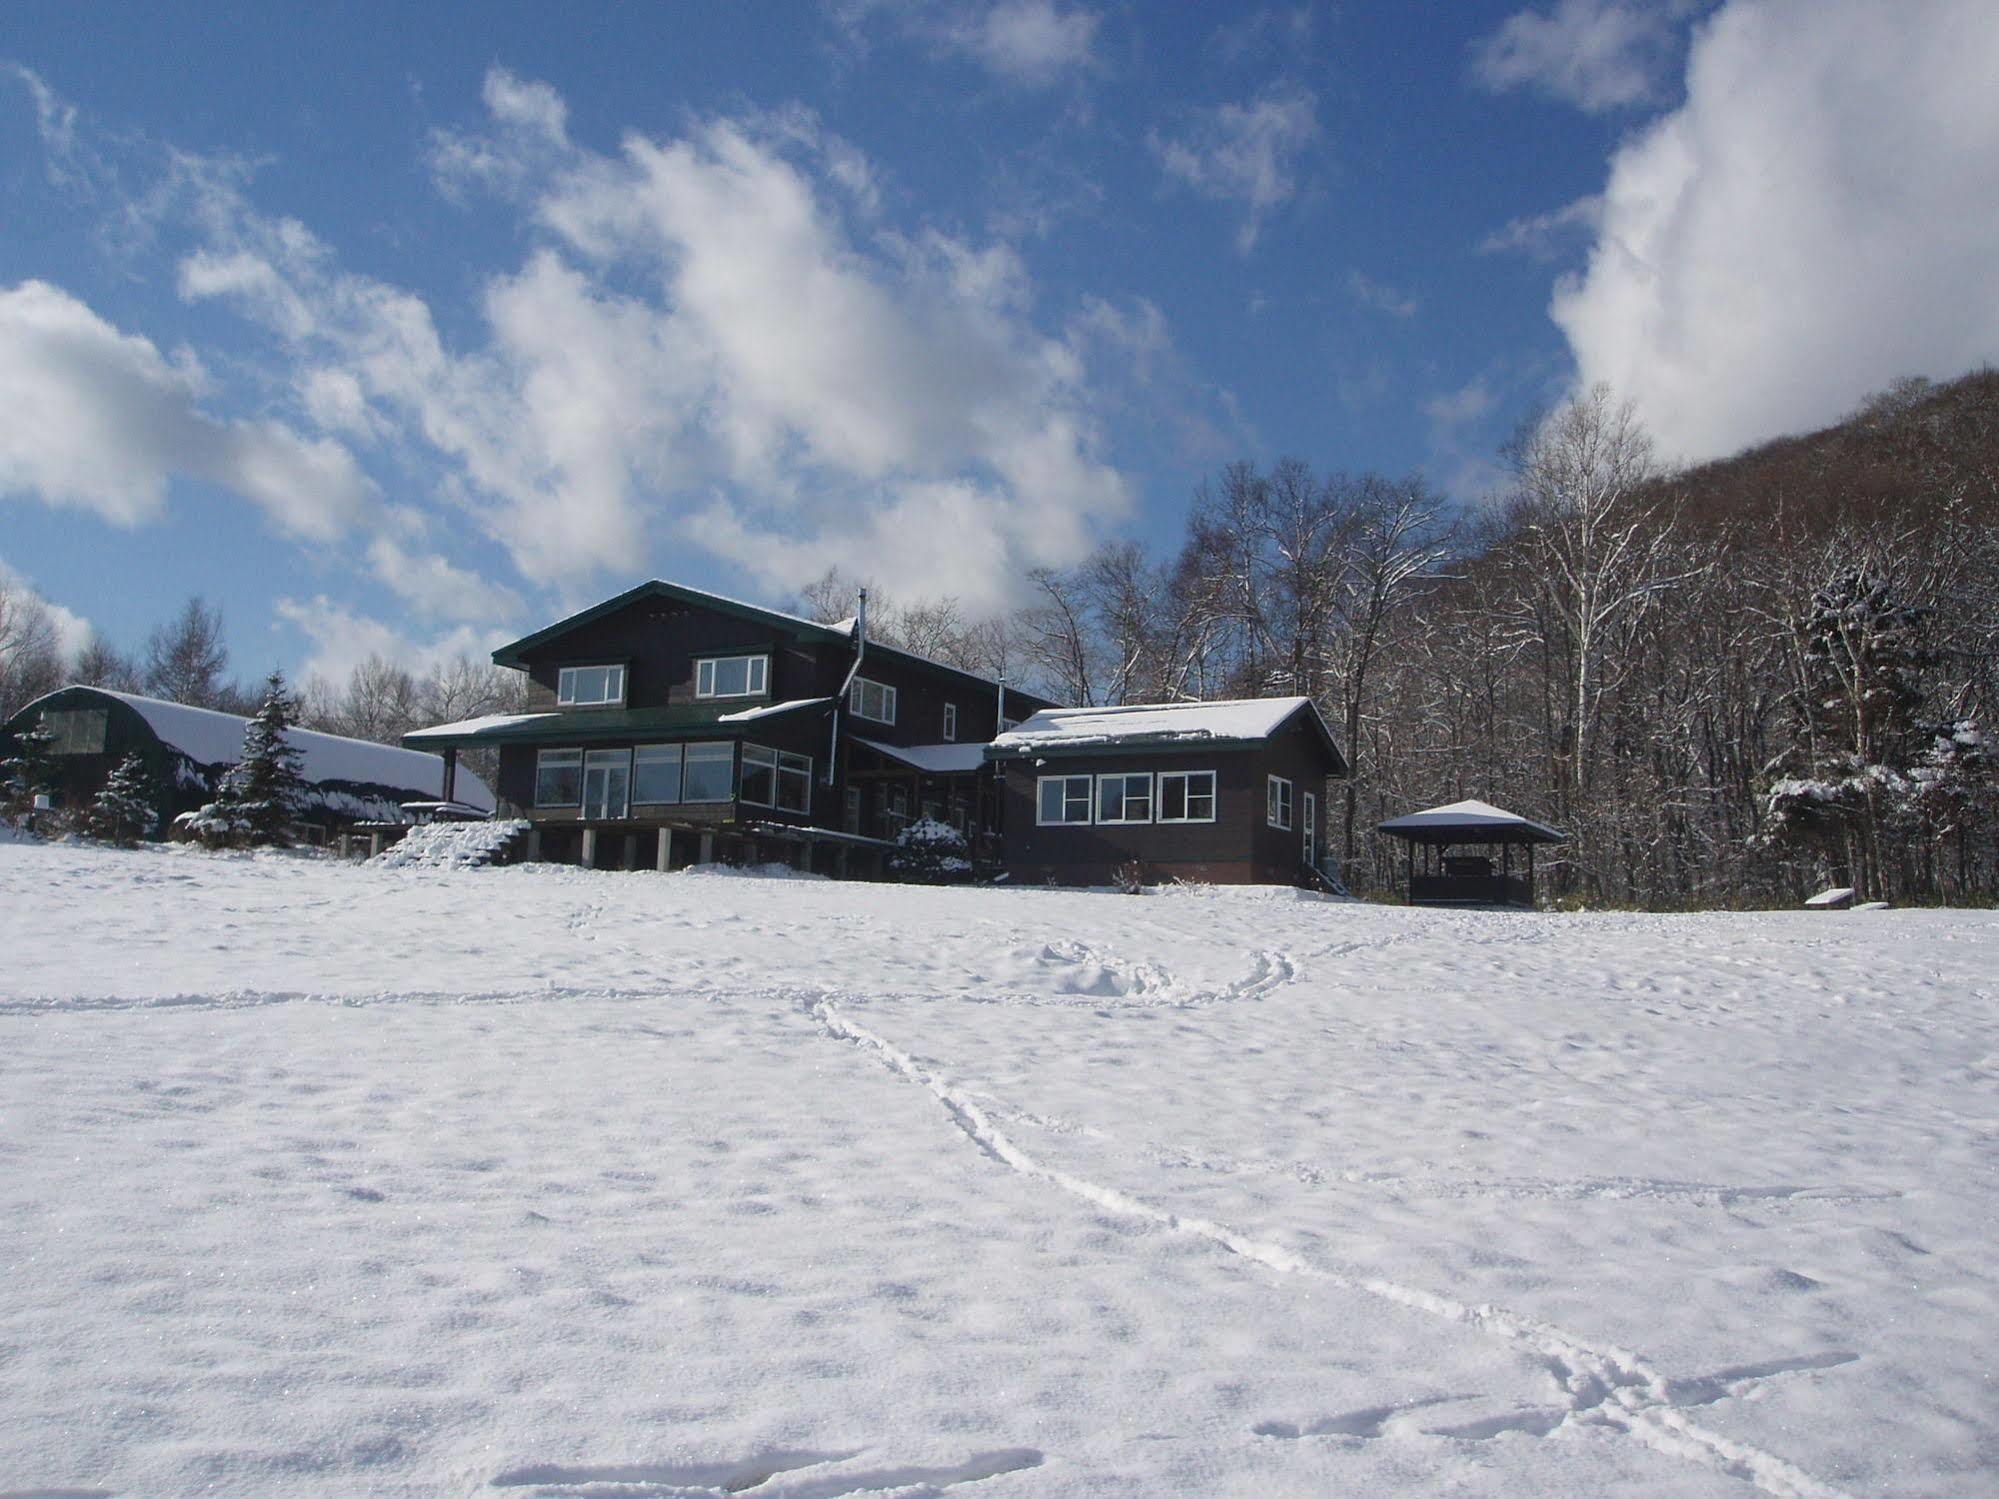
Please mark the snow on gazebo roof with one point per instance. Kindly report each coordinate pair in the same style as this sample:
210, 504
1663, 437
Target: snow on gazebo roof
1470, 822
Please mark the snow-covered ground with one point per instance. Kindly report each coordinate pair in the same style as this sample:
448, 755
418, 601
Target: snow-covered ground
321, 1179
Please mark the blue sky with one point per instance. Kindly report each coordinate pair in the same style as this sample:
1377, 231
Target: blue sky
408, 328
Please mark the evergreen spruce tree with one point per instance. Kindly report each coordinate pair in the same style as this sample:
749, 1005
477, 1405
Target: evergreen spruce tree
260, 796
29, 772
123, 811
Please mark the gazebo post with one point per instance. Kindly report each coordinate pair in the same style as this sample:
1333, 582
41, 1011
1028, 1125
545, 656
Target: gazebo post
1530, 876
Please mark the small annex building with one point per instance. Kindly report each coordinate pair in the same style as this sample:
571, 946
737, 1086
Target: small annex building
1451, 858
187, 750
1224, 792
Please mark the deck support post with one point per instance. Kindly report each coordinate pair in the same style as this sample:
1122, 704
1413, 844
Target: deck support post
707, 848
631, 858
534, 845
374, 844
589, 848
665, 860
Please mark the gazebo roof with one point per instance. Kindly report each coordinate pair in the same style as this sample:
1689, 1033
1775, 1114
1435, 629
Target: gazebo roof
1470, 822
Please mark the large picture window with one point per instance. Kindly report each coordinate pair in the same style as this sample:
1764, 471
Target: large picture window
759, 775
1186, 796
1277, 802
589, 686
732, 676
79, 731
794, 783
656, 774
773, 778
558, 778
1125, 798
1062, 799
709, 772
872, 701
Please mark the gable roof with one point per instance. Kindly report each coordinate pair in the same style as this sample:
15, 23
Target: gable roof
209, 739
1469, 821
1234, 723
795, 625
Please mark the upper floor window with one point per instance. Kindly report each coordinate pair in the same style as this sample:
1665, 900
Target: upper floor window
1186, 796
589, 686
872, 701
1277, 802
78, 732
950, 720
732, 676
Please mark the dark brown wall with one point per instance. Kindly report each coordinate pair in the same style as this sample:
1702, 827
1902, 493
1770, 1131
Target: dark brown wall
659, 640
1239, 846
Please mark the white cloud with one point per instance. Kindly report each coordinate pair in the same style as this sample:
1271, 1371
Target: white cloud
1596, 54
1245, 154
1460, 455
704, 333
73, 632
340, 640
99, 420
1030, 42
434, 586
1821, 216
1378, 296
1023, 43
1544, 235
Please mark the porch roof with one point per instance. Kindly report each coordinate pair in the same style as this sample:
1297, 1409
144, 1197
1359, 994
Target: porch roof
932, 759
679, 721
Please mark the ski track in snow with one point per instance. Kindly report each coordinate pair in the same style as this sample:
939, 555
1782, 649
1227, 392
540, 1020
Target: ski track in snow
1608, 1387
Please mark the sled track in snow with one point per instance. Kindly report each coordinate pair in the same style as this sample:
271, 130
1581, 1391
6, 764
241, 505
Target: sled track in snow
1606, 1387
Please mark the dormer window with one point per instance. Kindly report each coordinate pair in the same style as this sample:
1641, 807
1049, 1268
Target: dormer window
590, 687
732, 676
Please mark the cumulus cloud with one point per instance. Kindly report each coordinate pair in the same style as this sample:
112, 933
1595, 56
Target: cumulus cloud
1545, 236
1820, 216
1244, 154
1030, 42
1596, 54
340, 639
72, 631
715, 344
100, 420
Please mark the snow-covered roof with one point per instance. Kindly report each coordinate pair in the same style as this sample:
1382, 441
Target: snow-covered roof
771, 710
932, 759
1161, 723
210, 738
1471, 818
474, 728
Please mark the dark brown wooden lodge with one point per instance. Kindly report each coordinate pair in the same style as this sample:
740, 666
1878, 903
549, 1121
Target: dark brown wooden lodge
669, 726
1451, 859
1221, 792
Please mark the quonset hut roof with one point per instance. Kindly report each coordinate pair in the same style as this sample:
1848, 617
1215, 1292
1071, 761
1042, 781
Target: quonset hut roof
1470, 822
1219, 725
209, 739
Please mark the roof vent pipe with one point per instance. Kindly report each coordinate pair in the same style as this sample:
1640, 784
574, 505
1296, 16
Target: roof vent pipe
840, 702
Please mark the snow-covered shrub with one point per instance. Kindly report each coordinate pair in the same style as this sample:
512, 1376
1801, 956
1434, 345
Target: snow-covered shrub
123, 811
28, 773
929, 852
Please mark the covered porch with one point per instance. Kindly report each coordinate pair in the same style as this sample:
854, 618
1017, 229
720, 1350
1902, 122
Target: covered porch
1470, 853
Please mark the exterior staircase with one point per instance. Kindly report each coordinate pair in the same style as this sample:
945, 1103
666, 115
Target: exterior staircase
456, 845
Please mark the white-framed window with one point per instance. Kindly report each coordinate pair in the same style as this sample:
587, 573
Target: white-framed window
708, 771
607, 784
950, 721
1277, 802
732, 676
1311, 826
589, 686
794, 782
1060, 800
775, 778
1186, 796
872, 701
1125, 798
656, 774
896, 813
558, 778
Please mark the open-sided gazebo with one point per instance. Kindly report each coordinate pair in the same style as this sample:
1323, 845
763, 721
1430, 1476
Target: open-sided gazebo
1470, 878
